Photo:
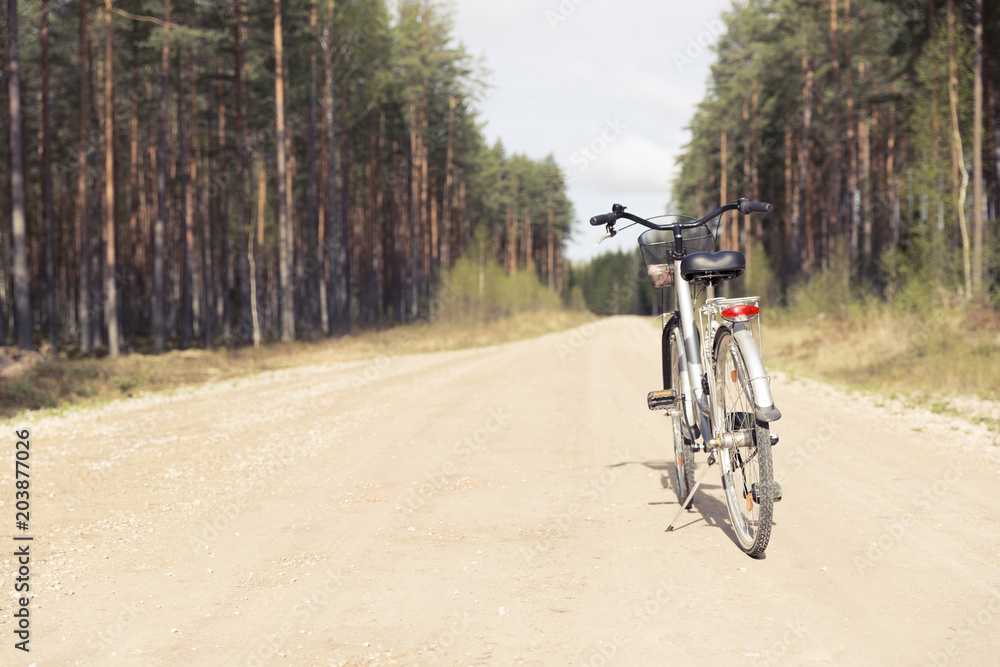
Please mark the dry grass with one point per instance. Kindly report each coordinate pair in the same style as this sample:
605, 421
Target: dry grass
935, 353
53, 383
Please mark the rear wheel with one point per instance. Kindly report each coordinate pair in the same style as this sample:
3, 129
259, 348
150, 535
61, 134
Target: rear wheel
745, 453
683, 452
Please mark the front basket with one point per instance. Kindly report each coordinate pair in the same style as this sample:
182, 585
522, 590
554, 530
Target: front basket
657, 248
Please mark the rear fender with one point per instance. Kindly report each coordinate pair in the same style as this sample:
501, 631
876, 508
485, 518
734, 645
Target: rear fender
760, 383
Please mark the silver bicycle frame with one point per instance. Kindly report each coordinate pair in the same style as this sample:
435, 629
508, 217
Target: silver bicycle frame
690, 357
692, 354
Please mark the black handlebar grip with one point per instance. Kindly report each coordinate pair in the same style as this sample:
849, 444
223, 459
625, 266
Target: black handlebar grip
603, 219
760, 207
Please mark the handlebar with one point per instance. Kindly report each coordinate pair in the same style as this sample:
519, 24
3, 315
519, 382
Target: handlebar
603, 219
747, 207
744, 206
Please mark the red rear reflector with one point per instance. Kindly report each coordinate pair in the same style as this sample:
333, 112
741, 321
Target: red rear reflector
740, 313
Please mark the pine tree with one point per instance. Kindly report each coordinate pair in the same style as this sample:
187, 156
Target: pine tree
22, 300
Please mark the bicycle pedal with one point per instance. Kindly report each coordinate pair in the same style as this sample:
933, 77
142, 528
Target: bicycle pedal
775, 492
661, 400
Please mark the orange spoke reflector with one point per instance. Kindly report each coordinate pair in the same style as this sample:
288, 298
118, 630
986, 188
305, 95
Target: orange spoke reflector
741, 313
749, 502
735, 376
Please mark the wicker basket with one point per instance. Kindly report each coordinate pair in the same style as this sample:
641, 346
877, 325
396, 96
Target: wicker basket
657, 248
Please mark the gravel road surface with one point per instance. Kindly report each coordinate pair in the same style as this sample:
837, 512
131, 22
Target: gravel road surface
496, 506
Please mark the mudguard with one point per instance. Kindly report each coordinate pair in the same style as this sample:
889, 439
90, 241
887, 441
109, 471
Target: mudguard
760, 383
665, 348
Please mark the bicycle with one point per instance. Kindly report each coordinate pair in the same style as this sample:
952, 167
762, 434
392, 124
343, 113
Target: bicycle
716, 393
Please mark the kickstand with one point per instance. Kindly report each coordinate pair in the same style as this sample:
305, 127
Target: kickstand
684, 505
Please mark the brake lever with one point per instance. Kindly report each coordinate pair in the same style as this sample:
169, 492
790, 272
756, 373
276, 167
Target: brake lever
611, 233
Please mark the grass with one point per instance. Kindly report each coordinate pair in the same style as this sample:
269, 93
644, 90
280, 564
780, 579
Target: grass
59, 383
925, 355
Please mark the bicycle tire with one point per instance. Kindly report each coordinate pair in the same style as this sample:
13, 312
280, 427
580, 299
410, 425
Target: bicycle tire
748, 484
684, 464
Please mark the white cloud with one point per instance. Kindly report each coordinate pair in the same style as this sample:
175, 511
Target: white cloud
631, 164
558, 88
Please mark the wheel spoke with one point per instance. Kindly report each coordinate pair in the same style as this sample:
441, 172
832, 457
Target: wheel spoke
747, 477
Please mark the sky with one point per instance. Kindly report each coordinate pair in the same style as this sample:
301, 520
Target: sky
607, 87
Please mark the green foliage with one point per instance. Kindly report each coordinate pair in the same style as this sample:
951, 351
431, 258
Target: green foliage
760, 279
827, 292
24, 395
614, 283
865, 106
576, 301
478, 289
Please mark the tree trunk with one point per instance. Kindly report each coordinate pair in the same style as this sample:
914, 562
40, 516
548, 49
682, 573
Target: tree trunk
957, 154
464, 232
286, 302
82, 186
110, 278
422, 151
51, 321
248, 304
148, 180
936, 260
836, 195
205, 291
322, 256
251, 261
343, 229
786, 231
446, 231
337, 221
435, 232
401, 240
96, 210
375, 185
992, 167
330, 143
529, 242
131, 299
22, 300
852, 153
978, 225
757, 230
802, 219
4, 193
724, 179
512, 230
223, 272
312, 277
865, 182
425, 191
744, 221
187, 214
550, 257
159, 229
560, 267
415, 231
890, 179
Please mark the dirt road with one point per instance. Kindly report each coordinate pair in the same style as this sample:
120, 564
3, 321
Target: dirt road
493, 507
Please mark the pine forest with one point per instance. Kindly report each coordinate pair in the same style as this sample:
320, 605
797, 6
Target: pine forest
205, 173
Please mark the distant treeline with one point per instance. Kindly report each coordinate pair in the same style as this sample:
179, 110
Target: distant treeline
187, 173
